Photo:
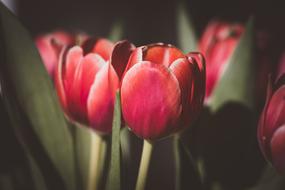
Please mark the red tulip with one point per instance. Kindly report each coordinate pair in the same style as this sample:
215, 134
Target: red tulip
50, 45
271, 129
86, 84
162, 90
217, 45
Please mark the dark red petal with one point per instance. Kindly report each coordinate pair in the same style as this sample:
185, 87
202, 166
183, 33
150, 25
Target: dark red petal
120, 56
84, 76
199, 81
59, 85
135, 57
104, 48
274, 116
151, 100
101, 99
277, 149
162, 54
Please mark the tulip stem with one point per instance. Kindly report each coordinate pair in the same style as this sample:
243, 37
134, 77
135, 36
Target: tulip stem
144, 165
97, 144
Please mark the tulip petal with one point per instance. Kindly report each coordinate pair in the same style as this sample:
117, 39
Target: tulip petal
151, 100
100, 103
182, 70
120, 56
198, 88
59, 85
73, 57
216, 62
271, 119
275, 112
47, 53
277, 149
84, 76
135, 57
104, 48
162, 54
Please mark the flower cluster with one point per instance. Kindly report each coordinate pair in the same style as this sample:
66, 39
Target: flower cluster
162, 89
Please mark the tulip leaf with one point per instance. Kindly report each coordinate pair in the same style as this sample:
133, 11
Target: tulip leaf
187, 37
117, 31
32, 103
114, 175
237, 82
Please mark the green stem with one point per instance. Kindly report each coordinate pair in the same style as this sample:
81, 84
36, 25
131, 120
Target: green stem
144, 165
97, 144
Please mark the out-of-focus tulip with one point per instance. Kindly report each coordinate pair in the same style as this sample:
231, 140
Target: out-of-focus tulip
271, 129
217, 45
50, 46
86, 84
162, 90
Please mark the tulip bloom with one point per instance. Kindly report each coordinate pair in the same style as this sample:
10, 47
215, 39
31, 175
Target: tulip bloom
50, 45
217, 45
162, 90
271, 129
86, 84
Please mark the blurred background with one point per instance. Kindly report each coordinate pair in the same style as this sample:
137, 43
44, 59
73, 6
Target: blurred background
145, 21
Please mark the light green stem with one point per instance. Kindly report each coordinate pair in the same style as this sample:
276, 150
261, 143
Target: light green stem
97, 144
144, 165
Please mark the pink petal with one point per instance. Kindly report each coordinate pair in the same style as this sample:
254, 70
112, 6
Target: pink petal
278, 149
162, 54
217, 59
183, 71
73, 58
84, 76
151, 100
48, 54
101, 99
120, 56
104, 48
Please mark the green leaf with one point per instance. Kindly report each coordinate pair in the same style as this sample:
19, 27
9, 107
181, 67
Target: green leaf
187, 38
237, 83
82, 151
31, 101
117, 31
114, 176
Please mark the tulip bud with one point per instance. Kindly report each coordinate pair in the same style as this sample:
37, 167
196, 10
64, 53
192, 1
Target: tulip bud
271, 128
50, 46
162, 90
217, 45
86, 84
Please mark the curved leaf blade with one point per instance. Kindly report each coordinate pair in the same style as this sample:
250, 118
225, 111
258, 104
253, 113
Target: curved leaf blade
30, 93
187, 37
